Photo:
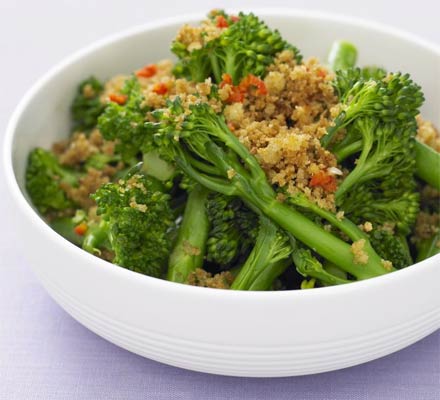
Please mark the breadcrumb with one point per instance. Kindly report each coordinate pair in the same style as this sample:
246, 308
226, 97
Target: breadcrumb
357, 248
282, 128
189, 249
427, 133
388, 265
202, 278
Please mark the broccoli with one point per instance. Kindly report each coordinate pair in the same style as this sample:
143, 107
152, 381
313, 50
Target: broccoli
189, 250
392, 247
125, 124
136, 221
232, 232
246, 46
309, 267
44, 179
87, 106
383, 176
395, 98
205, 149
267, 260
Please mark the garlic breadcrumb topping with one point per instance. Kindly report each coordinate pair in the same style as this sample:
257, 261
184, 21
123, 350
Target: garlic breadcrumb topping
359, 254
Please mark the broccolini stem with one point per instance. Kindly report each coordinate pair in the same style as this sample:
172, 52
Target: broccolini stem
342, 152
189, 249
324, 243
267, 260
428, 164
342, 55
343, 224
309, 266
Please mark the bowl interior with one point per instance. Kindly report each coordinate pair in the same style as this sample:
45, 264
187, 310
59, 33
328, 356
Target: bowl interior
44, 116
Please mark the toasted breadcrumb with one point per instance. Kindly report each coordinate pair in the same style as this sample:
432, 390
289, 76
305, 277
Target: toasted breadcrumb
428, 133
366, 226
388, 265
282, 129
189, 249
87, 185
340, 215
357, 248
202, 278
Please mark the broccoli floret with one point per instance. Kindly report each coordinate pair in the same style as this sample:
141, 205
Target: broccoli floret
309, 267
267, 260
395, 99
137, 219
87, 106
205, 149
392, 247
245, 46
125, 123
373, 72
232, 232
381, 187
44, 179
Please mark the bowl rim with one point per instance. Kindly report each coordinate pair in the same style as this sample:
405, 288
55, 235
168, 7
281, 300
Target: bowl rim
94, 262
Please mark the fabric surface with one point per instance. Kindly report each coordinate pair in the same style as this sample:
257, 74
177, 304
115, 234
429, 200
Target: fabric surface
44, 353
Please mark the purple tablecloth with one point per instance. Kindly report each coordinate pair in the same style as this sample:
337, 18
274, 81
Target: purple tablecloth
45, 354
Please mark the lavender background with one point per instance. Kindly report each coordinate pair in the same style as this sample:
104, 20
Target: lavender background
44, 353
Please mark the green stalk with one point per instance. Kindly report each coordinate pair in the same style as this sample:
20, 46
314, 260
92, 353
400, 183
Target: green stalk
342, 55
309, 266
266, 261
428, 247
343, 224
342, 152
359, 172
428, 164
324, 243
190, 245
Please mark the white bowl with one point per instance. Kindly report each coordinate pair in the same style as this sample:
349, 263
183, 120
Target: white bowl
224, 332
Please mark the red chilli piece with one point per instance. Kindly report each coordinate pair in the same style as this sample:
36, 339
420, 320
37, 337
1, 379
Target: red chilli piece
226, 80
221, 21
81, 229
253, 81
322, 73
234, 18
324, 180
160, 88
120, 99
148, 71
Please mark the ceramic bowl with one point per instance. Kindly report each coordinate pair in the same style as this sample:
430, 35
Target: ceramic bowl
259, 334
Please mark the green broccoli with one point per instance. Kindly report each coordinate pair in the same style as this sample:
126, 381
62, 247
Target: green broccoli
210, 154
44, 179
246, 46
233, 229
125, 124
87, 106
267, 260
136, 221
391, 246
395, 98
189, 250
